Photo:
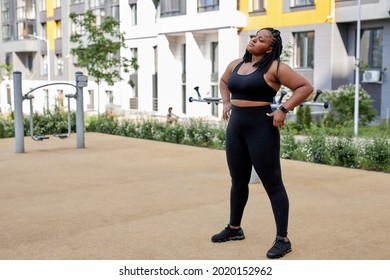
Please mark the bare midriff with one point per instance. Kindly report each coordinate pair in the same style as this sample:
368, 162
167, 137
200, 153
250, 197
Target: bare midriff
248, 103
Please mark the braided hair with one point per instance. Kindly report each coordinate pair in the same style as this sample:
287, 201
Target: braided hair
277, 47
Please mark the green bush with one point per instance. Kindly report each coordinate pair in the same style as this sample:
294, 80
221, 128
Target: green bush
315, 146
198, 133
343, 152
304, 119
105, 123
174, 133
55, 122
288, 144
6, 127
334, 146
376, 155
342, 104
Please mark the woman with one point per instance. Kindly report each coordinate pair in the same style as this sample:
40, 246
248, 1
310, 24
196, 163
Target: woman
248, 87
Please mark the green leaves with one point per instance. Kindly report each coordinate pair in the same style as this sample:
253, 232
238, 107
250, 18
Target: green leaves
342, 104
98, 47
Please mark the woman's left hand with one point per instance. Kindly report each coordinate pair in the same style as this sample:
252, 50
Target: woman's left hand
279, 118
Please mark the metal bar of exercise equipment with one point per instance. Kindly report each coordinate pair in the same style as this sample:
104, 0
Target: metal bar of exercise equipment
81, 81
283, 93
44, 137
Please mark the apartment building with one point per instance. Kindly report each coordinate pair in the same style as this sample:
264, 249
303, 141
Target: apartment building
323, 36
374, 48
34, 39
183, 44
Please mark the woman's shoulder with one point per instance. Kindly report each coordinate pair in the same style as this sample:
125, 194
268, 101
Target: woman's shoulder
235, 62
278, 66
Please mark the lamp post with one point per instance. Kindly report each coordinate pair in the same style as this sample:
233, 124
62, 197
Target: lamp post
356, 111
47, 54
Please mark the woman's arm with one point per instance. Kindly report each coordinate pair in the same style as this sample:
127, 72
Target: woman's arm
300, 87
223, 88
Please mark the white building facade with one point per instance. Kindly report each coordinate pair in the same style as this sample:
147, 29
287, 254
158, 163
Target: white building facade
180, 47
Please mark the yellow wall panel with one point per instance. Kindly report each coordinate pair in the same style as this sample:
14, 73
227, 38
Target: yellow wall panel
49, 8
275, 17
50, 24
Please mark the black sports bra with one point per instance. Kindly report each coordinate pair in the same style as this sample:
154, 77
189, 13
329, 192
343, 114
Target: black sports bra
251, 87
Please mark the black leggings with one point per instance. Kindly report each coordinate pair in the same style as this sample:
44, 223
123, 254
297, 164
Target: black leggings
251, 139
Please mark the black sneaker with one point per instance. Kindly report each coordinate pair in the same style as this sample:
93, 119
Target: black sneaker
228, 234
279, 249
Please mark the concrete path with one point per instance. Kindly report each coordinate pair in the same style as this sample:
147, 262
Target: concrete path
123, 198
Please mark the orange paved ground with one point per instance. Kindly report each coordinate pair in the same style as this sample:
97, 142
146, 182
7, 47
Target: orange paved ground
124, 198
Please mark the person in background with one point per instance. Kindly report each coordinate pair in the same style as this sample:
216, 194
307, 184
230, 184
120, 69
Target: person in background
171, 117
248, 87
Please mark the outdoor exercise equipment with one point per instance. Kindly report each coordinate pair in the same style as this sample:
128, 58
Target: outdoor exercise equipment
275, 105
30, 97
209, 100
314, 102
81, 81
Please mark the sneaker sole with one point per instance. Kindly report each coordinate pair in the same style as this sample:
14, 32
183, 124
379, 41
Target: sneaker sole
235, 238
279, 256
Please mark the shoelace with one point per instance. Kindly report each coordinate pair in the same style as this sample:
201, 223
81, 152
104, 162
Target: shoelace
279, 244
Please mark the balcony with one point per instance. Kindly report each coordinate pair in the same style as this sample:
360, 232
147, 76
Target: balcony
26, 12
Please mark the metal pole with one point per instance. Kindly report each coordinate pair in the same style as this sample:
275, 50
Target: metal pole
357, 76
18, 112
79, 115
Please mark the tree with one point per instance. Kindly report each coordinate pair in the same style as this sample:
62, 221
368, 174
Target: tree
8, 70
98, 48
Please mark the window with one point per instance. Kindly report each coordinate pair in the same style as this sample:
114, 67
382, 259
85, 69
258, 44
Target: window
134, 54
6, 32
96, 3
208, 5
371, 47
304, 50
58, 32
59, 99
5, 11
25, 10
25, 28
42, 5
113, 9
183, 58
9, 99
60, 65
173, 8
76, 1
214, 57
133, 15
100, 14
110, 96
44, 65
46, 104
8, 59
298, 3
214, 106
91, 100
134, 82
57, 4
257, 5
78, 28
43, 28
184, 99
30, 60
